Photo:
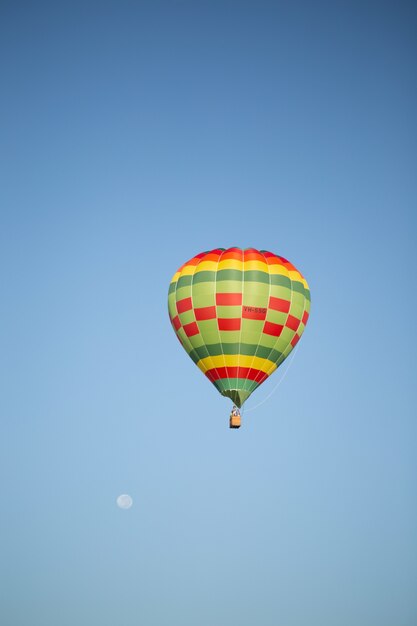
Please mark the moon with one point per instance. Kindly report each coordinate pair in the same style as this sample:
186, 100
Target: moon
124, 501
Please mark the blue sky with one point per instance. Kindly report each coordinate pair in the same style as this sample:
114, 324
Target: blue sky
133, 136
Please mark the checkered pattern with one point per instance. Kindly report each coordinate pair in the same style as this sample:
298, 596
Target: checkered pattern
238, 314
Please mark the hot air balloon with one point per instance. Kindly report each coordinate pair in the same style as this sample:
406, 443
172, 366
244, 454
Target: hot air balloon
238, 313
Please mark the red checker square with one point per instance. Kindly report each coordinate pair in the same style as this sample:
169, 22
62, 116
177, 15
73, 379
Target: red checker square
184, 305
279, 304
295, 340
205, 313
272, 329
176, 322
191, 329
229, 324
253, 313
305, 317
228, 299
292, 322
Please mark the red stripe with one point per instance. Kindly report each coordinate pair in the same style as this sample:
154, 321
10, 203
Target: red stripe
272, 329
184, 305
194, 261
272, 258
253, 255
191, 329
176, 322
205, 313
253, 313
245, 373
229, 324
228, 299
232, 253
292, 322
278, 304
305, 317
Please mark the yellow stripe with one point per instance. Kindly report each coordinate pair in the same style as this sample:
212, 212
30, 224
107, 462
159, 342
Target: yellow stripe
230, 264
206, 266
256, 265
234, 360
188, 270
278, 269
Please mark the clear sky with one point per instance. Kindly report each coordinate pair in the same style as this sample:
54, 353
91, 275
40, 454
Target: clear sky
135, 134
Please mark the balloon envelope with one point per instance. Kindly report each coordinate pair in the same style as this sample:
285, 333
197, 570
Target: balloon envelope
238, 314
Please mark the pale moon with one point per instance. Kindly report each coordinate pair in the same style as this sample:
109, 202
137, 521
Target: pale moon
124, 501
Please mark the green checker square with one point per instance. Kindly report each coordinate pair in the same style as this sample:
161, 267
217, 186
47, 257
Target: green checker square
288, 350
268, 341
253, 338
203, 288
287, 335
300, 329
253, 293
252, 328
282, 343
281, 292
297, 299
229, 336
198, 341
182, 293
254, 301
201, 300
172, 306
276, 317
187, 317
229, 312
229, 286
209, 326
172, 288
195, 341
297, 311
210, 336
185, 340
